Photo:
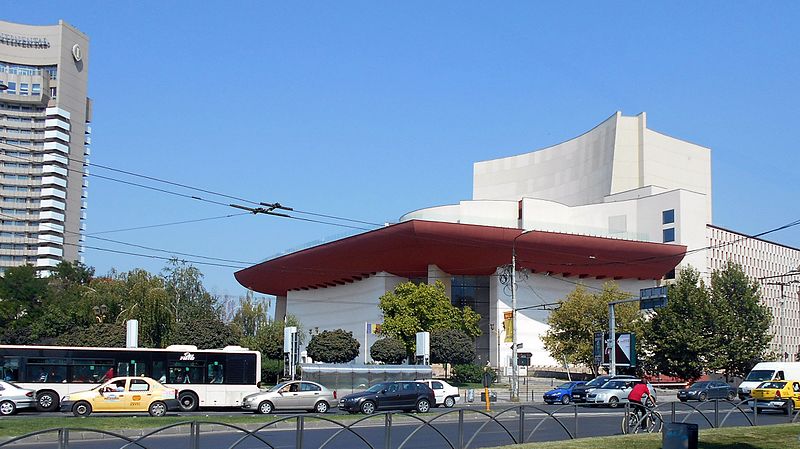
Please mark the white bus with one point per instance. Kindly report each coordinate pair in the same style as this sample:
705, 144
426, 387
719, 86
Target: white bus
203, 377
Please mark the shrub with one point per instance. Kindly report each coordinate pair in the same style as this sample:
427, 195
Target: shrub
470, 374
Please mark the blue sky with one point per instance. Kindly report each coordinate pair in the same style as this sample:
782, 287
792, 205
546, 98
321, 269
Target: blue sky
368, 110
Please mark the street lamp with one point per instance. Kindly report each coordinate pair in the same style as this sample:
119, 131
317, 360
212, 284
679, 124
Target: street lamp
514, 361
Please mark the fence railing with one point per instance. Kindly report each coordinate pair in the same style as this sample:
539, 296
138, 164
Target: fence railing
455, 429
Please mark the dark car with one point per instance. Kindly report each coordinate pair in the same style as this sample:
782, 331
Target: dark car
405, 396
580, 392
708, 389
562, 393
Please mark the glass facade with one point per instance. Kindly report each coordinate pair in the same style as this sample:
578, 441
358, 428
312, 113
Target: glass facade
473, 292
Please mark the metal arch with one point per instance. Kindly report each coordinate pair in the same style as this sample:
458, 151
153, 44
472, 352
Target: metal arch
736, 407
491, 418
424, 423
78, 429
347, 427
694, 409
551, 415
235, 443
168, 426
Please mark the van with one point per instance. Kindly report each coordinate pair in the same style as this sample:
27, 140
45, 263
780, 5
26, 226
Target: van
764, 371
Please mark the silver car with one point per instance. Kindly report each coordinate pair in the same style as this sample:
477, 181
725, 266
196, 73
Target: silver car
14, 397
292, 395
614, 392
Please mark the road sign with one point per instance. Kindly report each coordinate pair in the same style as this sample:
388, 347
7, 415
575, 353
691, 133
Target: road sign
653, 298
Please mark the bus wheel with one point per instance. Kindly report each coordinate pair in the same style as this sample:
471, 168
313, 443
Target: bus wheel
188, 401
46, 401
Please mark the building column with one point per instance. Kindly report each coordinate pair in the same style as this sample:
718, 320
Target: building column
280, 308
437, 274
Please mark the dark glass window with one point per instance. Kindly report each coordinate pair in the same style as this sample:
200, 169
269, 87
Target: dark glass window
668, 216
669, 235
306, 386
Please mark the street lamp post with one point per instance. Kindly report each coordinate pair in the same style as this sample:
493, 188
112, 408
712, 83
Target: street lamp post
514, 361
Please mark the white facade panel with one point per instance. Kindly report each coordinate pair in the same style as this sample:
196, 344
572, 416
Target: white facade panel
47, 180
57, 111
56, 146
50, 238
56, 123
49, 251
53, 169
51, 191
52, 204
50, 215
53, 157
47, 262
51, 227
52, 134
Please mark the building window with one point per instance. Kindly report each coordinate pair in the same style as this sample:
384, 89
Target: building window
36, 89
668, 216
12, 88
669, 235
53, 92
23, 88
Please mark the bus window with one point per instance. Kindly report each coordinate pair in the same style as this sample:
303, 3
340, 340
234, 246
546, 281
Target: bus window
215, 373
159, 373
131, 368
89, 370
184, 372
10, 369
46, 370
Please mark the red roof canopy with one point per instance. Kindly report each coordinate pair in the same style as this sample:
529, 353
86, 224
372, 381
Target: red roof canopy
406, 249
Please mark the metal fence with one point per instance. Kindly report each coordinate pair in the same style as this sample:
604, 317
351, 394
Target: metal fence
460, 428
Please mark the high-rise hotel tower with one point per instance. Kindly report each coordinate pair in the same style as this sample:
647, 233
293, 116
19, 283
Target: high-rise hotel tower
44, 142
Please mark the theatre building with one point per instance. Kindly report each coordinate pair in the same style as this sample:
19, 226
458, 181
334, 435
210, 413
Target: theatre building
619, 203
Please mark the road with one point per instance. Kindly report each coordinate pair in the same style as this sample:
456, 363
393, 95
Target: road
478, 430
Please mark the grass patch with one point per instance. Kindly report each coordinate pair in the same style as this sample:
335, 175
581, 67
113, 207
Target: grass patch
780, 436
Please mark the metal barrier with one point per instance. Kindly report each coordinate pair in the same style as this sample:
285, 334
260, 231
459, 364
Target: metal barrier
517, 424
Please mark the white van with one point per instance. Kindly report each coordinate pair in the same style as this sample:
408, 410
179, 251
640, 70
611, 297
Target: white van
764, 371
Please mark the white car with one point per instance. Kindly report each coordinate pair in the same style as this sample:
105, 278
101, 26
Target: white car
615, 392
446, 394
13, 398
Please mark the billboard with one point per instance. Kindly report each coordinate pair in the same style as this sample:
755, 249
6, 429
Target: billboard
625, 349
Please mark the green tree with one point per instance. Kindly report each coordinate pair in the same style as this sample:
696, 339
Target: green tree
205, 333
190, 299
388, 350
145, 299
336, 346
106, 335
452, 346
22, 293
413, 308
251, 317
679, 337
580, 315
741, 328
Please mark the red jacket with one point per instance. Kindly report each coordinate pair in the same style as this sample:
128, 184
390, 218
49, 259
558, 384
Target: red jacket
638, 391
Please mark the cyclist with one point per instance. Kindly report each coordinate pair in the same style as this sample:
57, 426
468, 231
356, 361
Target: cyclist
640, 398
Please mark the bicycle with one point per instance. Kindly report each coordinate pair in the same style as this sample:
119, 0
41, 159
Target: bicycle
651, 422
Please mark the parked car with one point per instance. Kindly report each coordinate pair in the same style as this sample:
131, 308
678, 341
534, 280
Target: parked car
292, 395
707, 389
580, 392
562, 393
446, 394
123, 394
775, 395
13, 398
615, 392
403, 395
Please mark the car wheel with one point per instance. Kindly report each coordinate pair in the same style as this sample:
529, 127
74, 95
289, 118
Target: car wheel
321, 407
368, 407
423, 406
157, 408
188, 401
449, 402
7, 408
565, 399
731, 396
703, 396
613, 402
46, 401
265, 407
82, 408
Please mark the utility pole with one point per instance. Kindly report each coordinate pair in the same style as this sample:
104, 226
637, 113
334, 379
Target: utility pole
514, 361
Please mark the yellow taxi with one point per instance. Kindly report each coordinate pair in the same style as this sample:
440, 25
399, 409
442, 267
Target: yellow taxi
775, 395
123, 394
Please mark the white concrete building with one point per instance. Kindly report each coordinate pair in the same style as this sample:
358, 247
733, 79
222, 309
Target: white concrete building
620, 202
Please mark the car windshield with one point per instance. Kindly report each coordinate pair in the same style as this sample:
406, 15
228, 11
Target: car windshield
775, 385
760, 375
565, 386
698, 385
597, 382
277, 387
614, 385
377, 387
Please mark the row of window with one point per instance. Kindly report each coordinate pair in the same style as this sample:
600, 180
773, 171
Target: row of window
29, 70
19, 235
25, 131
35, 143
19, 223
24, 88
30, 189
20, 107
16, 246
